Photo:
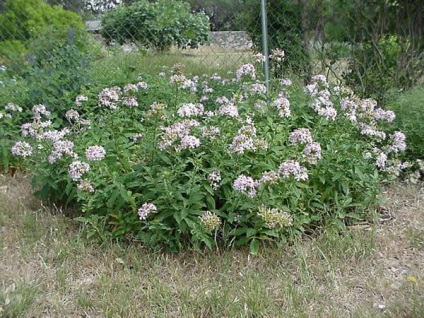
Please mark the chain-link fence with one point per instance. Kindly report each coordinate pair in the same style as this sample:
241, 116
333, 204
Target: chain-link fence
372, 46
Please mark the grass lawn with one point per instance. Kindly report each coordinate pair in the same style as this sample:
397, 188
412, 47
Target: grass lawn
49, 269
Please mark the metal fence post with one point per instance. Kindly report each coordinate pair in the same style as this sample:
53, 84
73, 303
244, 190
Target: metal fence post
265, 43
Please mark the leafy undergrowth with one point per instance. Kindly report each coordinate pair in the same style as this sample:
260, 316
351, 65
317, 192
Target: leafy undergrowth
47, 268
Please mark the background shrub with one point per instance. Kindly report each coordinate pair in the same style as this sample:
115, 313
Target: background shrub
24, 20
409, 108
157, 25
285, 31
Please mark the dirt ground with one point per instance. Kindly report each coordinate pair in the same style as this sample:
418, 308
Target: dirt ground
49, 269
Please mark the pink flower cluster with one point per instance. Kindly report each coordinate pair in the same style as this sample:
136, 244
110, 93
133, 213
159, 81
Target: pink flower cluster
312, 151
293, 168
61, 147
283, 105
365, 114
130, 101
189, 142
145, 210
214, 179
22, 149
190, 110
300, 136
229, 110
40, 110
190, 84
246, 185
321, 102
258, 88
370, 131
246, 70
398, 143
386, 115
109, 97
95, 153
77, 169
179, 130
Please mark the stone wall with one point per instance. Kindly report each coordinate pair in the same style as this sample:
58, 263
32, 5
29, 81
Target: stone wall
239, 40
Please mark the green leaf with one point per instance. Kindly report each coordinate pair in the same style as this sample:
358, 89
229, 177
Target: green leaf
250, 232
254, 247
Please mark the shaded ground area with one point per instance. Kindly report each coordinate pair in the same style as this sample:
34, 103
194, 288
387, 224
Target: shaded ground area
48, 269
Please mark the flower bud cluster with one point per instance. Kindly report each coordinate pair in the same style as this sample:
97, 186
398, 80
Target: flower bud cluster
275, 218
156, 109
277, 55
210, 221
210, 132
79, 99
10, 108
85, 186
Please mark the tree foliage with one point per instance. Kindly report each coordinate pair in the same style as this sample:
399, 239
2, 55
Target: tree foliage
224, 15
22, 21
285, 31
157, 25
384, 39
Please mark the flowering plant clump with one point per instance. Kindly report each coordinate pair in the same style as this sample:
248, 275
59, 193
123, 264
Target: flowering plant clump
218, 162
10, 115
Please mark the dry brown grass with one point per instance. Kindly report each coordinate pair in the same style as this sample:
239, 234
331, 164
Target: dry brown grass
48, 269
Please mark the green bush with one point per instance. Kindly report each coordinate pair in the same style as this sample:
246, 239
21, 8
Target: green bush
385, 45
375, 68
46, 50
206, 161
157, 25
24, 20
409, 108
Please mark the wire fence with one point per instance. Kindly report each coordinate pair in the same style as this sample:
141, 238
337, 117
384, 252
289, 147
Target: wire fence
369, 45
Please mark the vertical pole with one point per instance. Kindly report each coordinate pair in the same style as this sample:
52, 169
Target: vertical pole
265, 43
